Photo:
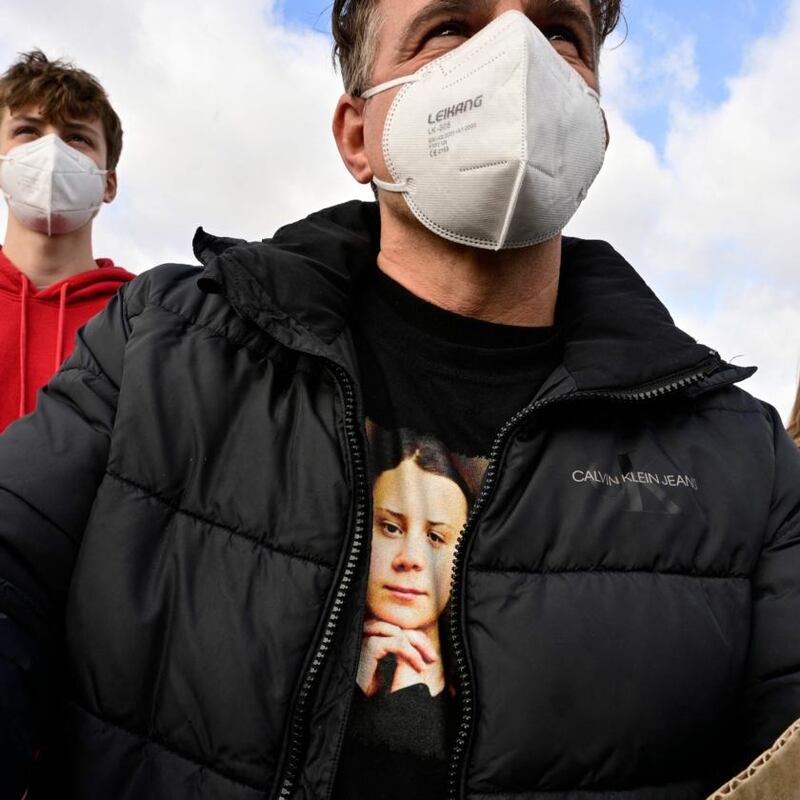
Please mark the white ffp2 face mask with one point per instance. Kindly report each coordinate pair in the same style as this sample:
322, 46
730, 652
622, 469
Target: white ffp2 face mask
496, 143
51, 187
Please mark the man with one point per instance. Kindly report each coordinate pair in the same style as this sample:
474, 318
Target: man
623, 614
60, 141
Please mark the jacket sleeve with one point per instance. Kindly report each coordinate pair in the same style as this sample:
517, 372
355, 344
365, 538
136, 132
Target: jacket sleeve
772, 699
51, 464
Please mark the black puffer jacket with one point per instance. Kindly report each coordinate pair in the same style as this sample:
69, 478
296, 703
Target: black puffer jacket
187, 513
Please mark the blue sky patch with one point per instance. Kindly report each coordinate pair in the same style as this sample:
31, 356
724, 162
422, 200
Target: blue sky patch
719, 34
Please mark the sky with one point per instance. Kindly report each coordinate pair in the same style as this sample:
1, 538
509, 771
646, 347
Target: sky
226, 106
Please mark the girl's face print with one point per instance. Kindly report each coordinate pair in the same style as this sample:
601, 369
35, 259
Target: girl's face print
418, 518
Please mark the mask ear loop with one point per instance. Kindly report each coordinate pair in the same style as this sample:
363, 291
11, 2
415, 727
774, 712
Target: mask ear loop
399, 188
405, 186
386, 85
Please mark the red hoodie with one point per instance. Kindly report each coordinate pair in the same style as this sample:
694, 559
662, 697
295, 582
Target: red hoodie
37, 328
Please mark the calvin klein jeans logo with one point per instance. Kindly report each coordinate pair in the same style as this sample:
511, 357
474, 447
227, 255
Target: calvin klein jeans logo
646, 491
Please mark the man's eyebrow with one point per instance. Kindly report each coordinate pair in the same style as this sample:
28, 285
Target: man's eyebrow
79, 126
428, 13
37, 119
26, 118
568, 9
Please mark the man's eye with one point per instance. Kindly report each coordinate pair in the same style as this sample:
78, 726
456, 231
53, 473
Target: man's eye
560, 34
25, 130
444, 29
565, 41
77, 137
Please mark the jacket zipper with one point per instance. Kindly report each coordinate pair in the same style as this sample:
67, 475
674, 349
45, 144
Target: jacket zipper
300, 713
457, 768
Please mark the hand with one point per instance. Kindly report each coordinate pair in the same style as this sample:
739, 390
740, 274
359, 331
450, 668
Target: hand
412, 648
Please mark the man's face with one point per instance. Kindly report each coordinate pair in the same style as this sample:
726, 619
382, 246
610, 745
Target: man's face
25, 125
412, 33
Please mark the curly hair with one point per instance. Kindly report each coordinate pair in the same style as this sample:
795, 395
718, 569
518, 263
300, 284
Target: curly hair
354, 24
62, 92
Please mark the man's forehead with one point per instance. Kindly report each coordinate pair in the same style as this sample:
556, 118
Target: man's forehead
407, 8
34, 113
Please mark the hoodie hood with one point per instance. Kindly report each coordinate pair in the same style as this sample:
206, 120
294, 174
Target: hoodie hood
104, 280
38, 326
298, 287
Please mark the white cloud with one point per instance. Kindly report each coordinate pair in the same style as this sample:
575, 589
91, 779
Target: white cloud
639, 75
227, 120
227, 116
712, 224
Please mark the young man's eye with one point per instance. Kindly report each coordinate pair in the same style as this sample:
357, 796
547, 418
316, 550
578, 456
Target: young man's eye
25, 130
77, 137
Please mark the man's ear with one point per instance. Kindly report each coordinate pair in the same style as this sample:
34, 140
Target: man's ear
111, 186
348, 130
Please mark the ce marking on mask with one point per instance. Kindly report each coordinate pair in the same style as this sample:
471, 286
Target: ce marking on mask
441, 125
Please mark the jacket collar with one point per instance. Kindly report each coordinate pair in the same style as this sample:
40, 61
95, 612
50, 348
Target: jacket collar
297, 287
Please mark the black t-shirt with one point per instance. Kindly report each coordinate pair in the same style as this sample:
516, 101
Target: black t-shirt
437, 388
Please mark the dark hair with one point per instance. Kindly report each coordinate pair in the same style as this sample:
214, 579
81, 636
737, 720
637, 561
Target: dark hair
62, 92
354, 23
389, 449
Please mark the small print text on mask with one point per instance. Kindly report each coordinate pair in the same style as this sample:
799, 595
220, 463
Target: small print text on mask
440, 125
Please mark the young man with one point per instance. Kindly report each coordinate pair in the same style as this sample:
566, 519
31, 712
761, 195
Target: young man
275, 460
60, 142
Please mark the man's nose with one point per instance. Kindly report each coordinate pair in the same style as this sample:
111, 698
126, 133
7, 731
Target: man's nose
501, 6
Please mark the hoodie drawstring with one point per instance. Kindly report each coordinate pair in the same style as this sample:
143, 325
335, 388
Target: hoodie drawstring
23, 340
62, 311
23, 347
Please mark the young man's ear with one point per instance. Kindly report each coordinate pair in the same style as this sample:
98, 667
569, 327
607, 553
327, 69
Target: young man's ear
348, 130
111, 186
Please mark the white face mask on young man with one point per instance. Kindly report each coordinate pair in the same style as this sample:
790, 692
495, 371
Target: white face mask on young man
51, 187
496, 143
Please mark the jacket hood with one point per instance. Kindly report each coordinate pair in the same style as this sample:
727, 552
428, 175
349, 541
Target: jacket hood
298, 287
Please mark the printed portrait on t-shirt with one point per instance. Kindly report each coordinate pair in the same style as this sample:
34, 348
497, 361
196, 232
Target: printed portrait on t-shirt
422, 495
